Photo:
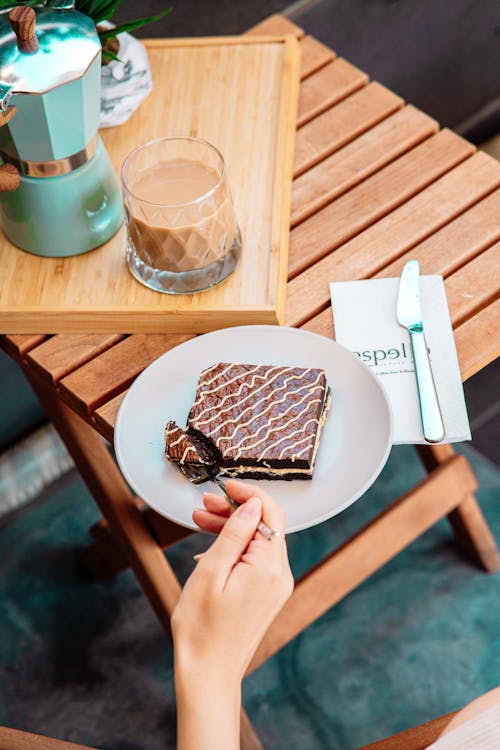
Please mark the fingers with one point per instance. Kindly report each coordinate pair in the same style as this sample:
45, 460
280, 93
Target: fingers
273, 514
217, 504
233, 539
243, 491
207, 521
217, 511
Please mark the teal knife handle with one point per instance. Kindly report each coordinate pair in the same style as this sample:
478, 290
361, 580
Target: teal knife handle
432, 421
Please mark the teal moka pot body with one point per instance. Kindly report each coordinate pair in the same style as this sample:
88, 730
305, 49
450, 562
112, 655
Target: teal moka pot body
67, 200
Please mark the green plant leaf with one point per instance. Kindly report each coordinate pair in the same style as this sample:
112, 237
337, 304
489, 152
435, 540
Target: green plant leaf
108, 56
107, 11
85, 6
132, 25
91, 8
98, 10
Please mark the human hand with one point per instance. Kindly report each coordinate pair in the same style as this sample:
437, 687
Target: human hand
238, 587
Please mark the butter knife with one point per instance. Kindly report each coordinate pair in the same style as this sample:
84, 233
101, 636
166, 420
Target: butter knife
409, 315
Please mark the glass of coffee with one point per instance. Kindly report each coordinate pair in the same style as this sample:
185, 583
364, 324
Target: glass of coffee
181, 229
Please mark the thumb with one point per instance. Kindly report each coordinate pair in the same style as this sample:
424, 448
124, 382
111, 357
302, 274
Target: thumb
234, 538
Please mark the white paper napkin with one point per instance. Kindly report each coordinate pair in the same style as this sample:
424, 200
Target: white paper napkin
480, 733
364, 314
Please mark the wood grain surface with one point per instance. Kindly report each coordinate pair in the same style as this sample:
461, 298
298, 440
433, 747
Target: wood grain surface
239, 93
97, 381
372, 199
13, 739
381, 186
368, 252
337, 80
314, 55
416, 738
359, 159
341, 124
62, 354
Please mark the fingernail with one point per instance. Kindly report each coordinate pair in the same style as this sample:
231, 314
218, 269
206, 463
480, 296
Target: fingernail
198, 557
203, 509
251, 508
266, 531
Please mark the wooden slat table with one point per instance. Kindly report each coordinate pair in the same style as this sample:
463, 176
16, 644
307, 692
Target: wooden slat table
376, 182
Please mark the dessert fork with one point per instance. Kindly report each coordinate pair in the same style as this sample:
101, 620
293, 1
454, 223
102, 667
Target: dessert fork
197, 474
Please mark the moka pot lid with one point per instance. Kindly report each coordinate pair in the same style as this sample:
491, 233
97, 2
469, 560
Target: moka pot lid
61, 46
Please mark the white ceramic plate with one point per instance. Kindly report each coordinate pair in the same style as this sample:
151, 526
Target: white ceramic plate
354, 446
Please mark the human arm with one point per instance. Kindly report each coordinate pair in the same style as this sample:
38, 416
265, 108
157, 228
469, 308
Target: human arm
227, 604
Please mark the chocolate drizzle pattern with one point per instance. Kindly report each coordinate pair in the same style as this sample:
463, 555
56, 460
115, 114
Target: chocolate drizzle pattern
260, 414
182, 448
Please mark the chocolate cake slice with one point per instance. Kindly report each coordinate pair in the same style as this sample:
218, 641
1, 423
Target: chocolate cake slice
264, 421
182, 448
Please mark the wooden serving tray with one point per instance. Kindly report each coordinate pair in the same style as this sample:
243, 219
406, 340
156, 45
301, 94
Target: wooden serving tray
239, 93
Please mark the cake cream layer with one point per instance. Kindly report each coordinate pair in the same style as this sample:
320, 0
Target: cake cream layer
260, 416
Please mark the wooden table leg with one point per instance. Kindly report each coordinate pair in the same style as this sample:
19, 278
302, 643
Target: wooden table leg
13, 739
104, 558
123, 515
467, 519
117, 504
417, 738
366, 551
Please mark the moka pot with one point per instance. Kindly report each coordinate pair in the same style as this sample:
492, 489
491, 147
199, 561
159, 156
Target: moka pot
59, 194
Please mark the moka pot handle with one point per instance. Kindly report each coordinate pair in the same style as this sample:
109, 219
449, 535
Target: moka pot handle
22, 18
9, 174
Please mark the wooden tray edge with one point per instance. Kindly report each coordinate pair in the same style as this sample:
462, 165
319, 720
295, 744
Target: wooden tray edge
282, 199
207, 41
77, 320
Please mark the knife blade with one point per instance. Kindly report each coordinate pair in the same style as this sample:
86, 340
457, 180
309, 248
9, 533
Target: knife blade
409, 315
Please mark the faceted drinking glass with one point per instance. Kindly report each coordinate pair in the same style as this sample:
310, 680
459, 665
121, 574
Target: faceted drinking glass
182, 234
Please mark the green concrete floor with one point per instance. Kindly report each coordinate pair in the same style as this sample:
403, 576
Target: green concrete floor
88, 661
